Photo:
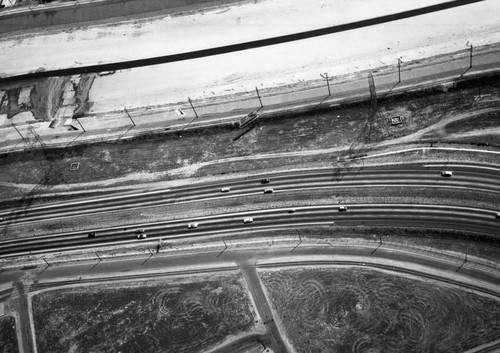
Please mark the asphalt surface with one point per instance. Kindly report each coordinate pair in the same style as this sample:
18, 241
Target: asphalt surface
412, 263
473, 178
427, 216
431, 216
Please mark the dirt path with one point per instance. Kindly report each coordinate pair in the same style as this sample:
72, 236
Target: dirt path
439, 127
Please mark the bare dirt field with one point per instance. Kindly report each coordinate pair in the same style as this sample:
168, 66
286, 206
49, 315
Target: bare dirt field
359, 310
8, 335
176, 315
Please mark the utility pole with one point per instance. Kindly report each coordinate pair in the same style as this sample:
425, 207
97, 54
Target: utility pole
81, 125
258, 95
126, 111
14, 126
463, 263
399, 70
373, 101
327, 83
471, 50
195, 116
192, 107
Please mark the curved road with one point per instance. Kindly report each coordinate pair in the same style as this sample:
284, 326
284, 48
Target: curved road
476, 178
429, 216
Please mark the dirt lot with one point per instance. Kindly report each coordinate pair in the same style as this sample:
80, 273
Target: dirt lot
8, 336
358, 310
177, 315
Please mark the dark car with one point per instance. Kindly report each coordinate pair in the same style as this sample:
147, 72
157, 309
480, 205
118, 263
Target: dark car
92, 235
265, 181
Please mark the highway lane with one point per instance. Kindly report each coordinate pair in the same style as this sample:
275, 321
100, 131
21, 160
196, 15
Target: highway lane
428, 216
465, 177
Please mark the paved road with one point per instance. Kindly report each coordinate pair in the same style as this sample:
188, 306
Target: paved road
469, 177
263, 307
403, 215
404, 262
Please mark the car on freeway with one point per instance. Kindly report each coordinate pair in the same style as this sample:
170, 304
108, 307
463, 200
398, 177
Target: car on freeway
268, 191
192, 225
91, 235
141, 233
265, 181
342, 208
2, 219
248, 220
446, 173
498, 215
225, 189
291, 210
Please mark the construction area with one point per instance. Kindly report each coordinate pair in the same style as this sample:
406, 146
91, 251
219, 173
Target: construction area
249, 176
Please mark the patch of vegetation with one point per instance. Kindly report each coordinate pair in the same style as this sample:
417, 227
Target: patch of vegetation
178, 316
8, 336
359, 310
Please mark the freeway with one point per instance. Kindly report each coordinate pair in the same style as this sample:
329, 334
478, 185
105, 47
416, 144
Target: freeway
408, 215
469, 177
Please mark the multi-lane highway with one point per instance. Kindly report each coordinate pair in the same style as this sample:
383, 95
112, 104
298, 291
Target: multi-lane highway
429, 216
475, 178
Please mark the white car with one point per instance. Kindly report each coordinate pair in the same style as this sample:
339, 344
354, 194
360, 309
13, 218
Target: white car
342, 208
192, 225
225, 189
248, 220
446, 173
268, 191
141, 233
